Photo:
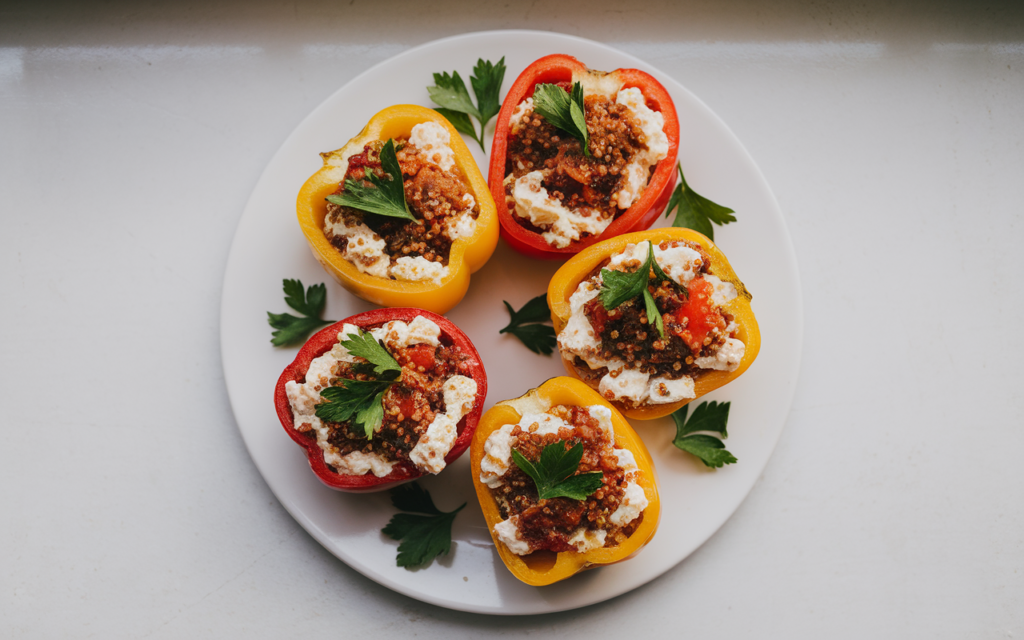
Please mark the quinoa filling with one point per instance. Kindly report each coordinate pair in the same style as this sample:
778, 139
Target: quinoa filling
605, 519
437, 195
421, 411
553, 189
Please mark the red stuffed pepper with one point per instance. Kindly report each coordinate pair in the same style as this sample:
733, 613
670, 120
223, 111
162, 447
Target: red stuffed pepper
382, 398
557, 195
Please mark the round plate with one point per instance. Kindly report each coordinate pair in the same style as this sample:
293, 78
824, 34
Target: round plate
268, 247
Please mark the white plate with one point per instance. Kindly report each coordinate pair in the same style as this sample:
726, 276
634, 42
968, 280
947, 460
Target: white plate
269, 247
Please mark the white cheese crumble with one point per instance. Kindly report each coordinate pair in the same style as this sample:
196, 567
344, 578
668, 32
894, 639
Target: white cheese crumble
418, 269
365, 249
433, 445
653, 125
524, 107
498, 458
680, 263
432, 140
564, 225
463, 224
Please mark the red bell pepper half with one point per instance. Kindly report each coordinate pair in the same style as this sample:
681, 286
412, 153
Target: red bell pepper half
322, 342
642, 214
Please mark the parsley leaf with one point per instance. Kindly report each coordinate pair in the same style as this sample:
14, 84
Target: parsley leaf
364, 345
709, 416
620, 286
310, 302
424, 537
361, 401
450, 94
387, 195
538, 338
553, 473
564, 110
695, 211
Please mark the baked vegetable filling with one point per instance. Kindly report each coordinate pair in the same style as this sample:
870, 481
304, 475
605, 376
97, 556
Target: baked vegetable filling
605, 518
626, 357
554, 188
421, 405
437, 195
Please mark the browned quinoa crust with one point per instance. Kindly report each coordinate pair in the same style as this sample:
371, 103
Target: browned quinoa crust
574, 179
433, 196
548, 524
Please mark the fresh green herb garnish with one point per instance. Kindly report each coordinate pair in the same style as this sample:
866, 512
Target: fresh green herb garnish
449, 91
538, 338
695, 211
553, 473
620, 286
387, 195
709, 416
564, 110
310, 302
424, 537
361, 401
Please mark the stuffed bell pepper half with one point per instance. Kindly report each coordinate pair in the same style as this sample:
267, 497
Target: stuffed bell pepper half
401, 215
580, 156
653, 320
382, 398
564, 482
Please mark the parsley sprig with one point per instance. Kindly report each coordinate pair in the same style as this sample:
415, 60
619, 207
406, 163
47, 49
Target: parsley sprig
619, 286
310, 302
426, 533
361, 401
526, 324
553, 473
695, 211
449, 91
564, 110
709, 416
387, 195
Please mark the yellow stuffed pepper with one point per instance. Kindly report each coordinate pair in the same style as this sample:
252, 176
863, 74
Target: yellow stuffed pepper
551, 514
653, 320
407, 243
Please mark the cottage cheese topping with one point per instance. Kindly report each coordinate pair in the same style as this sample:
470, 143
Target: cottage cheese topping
508, 533
365, 249
437, 441
578, 338
433, 445
498, 458
638, 170
432, 140
522, 109
418, 269
564, 225
463, 225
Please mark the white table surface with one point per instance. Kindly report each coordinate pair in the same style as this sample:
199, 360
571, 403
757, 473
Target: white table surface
131, 136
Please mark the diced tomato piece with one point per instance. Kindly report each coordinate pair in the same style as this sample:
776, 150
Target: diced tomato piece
597, 315
702, 315
421, 355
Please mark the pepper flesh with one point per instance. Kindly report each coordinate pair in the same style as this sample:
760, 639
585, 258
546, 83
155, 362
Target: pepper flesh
322, 342
642, 213
467, 255
545, 567
565, 281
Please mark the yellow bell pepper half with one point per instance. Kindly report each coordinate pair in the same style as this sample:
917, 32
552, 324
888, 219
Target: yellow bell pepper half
583, 265
467, 254
546, 567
